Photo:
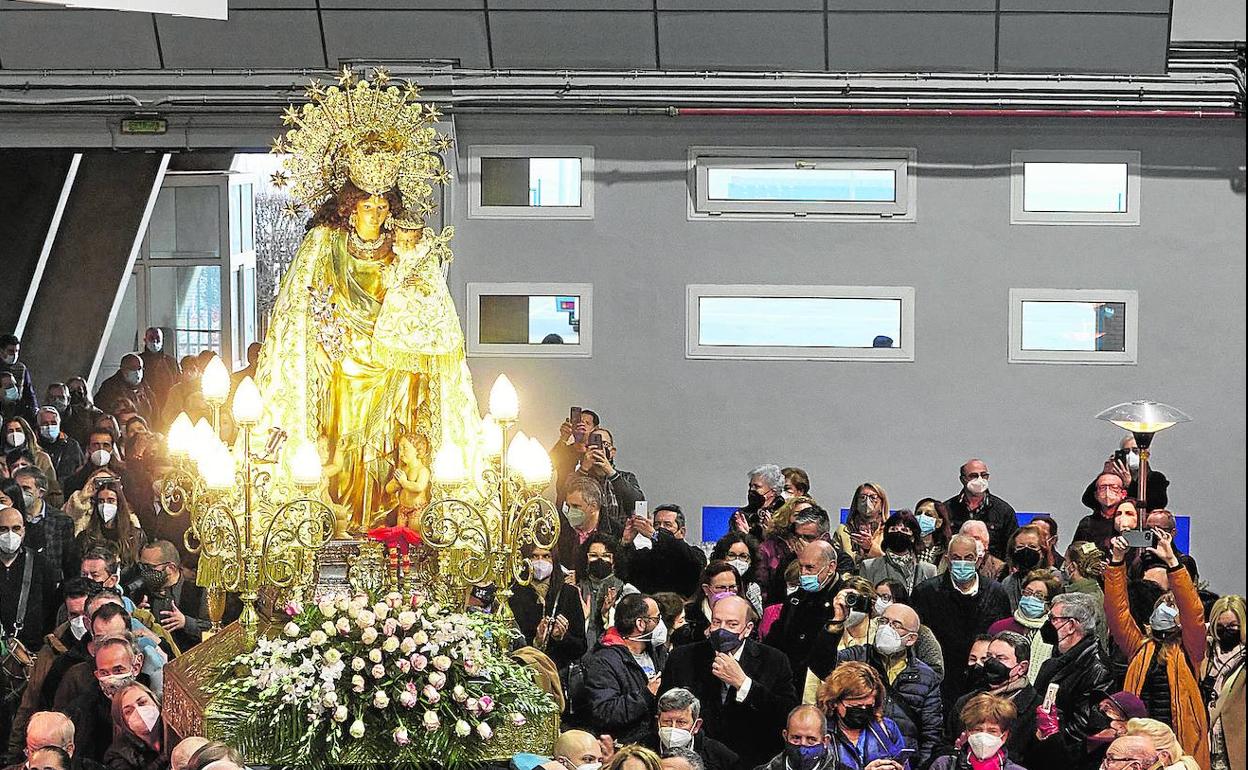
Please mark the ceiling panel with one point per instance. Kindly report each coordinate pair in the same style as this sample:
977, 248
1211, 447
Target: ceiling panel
1089, 43
77, 40
572, 5
592, 40
877, 42
404, 5
407, 35
262, 39
1088, 6
912, 5
740, 5
742, 41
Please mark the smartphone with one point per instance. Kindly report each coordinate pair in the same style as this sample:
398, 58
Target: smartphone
1121, 455
1139, 538
594, 441
641, 508
574, 416
1050, 697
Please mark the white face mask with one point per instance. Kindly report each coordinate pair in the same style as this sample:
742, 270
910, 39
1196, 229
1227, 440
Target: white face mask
590, 766
888, 641
155, 347
16, 438
656, 637
977, 486
10, 542
984, 745
740, 565
108, 512
541, 568
881, 604
100, 457
78, 626
149, 714
675, 738
1133, 460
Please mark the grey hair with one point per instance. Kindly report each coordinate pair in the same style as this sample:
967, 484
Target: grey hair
814, 516
124, 639
41, 479
588, 488
695, 761
973, 524
1082, 610
49, 410
679, 699
769, 475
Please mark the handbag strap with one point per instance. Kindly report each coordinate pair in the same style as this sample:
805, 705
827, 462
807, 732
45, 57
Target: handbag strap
23, 598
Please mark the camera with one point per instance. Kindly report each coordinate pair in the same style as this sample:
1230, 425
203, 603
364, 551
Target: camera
855, 601
103, 481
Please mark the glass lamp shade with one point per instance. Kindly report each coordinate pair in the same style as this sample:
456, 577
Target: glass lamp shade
492, 438
504, 402
203, 439
181, 436
448, 466
305, 465
215, 381
518, 452
1143, 416
538, 470
247, 404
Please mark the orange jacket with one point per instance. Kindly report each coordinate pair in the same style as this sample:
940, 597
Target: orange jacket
1181, 658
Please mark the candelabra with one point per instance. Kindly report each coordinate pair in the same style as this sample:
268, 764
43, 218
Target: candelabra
487, 520
252, 527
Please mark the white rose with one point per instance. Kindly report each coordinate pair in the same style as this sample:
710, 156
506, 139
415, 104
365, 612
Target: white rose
394, 599
329, 629
326, 608
365, 619
407, 646
357, 683
390, 645
463, 729
332, 656
441, 663
369, 635
341, 603
318, 637
437, 679
381, 610
431, 721
291, 629
343, 625
401, 737
407, 619
483, 730
340, 714
357, 728
330, 700
353, 612
380, 700
377, 671
430, 694
374, 655
357, 664
459, 694
421, 638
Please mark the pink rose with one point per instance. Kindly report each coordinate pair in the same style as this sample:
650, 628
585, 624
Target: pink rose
419, 662
401, 737
408, 699
486, 703
431, 694
403, 665
390, 626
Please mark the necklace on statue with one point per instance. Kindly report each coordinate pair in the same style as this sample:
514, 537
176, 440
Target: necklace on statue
363, 248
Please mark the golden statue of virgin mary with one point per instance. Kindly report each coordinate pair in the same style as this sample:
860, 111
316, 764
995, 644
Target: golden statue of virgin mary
364, 353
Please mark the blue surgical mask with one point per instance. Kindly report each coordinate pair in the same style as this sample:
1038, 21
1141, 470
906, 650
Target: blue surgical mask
962, 571
11, 394
50, 432
1164, 618
1031, 606
927, 524
810, 583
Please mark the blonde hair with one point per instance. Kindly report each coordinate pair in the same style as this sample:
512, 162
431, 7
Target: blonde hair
633, 751
120, 725
855, 518
1163, 739
851, 680
782, 518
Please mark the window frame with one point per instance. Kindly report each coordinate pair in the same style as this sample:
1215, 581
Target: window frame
904, 352
1129, 356
474, 348
900, 159
477, 210
1128, 218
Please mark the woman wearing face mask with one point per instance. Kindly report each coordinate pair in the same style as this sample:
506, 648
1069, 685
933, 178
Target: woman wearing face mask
852, 624
138, 732
597, 582
18, 435
1025, 552
862, 534
1222, 682
986, 724
1164, 655
719, 579
1039, 586
900, 561
741, 552
934, 530
548, 610
111, 524
862, 737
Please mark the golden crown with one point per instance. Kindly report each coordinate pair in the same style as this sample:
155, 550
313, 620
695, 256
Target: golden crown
375, 135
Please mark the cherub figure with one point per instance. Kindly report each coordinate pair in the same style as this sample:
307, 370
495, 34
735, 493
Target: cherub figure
411, 481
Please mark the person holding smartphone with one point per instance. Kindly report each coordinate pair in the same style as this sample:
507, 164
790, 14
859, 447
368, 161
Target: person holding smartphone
853, 697
566, 452
620, 490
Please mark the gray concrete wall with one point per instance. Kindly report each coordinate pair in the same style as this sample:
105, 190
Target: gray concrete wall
691, 429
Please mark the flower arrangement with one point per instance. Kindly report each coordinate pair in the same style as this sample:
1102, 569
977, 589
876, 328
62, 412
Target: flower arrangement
396, 680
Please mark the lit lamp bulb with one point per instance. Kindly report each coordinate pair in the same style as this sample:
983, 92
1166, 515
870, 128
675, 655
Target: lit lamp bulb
539, 469
305, 464
518, 452
247, 404
217, 468
448, 467
215, 381
203, 438
181, 436
504, 403
493, 436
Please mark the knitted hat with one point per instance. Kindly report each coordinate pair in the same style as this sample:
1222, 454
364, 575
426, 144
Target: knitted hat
1129, 704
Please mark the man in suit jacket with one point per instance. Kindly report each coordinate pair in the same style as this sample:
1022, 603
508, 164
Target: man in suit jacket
746, 688
179, 606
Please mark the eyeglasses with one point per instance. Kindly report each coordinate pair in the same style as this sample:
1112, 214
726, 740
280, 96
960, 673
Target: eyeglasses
808, 538
973, 476
870, 496
1112, 762
898, 626
1108, 487
1037, 595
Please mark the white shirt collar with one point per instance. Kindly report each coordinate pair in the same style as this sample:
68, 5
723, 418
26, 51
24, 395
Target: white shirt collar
972, 591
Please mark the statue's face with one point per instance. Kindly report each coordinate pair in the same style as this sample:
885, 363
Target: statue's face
370, 213
406, 238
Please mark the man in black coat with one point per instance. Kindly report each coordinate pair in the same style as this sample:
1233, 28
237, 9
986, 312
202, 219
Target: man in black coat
912, 692
807, 611
664, 561
680, 727
179, 606
622, 673
976, 502
28, 593
1004, 674
957, 606
746, 689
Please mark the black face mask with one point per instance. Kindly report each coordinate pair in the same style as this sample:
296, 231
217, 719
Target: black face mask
1227, 636
77, 397
996, 673
1025, 558
1048, 633
898, 542
1097, 721
599, 568
754, 500
725, 641
976, 678
858, 717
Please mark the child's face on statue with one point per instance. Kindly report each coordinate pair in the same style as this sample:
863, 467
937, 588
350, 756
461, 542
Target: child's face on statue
406, 238
370, 213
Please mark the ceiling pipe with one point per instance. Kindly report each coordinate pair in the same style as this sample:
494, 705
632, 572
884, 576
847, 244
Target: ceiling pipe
943, 113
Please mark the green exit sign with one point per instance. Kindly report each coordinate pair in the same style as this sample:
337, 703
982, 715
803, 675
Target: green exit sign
144, 125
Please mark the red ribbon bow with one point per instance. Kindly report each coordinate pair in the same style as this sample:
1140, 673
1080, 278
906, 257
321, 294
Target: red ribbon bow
401, 538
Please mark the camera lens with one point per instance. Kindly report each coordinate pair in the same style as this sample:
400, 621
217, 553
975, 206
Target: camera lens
855, 600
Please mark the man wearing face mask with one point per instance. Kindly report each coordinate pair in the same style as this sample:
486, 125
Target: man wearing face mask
22, 402
669, 563
78, 414
977, 503
808, 610
1098, 527
116, 662
1004, 674
622, 673
127, 382
101, 453
957, 606
578, 750
160, 369
1125, 463
582, 517
65, 453
744, 686
62, 648
179, 605
48, 530
806, 742
913, 688
27, 585
680, 728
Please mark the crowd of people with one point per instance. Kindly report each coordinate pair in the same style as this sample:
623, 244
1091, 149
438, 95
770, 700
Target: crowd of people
943, 636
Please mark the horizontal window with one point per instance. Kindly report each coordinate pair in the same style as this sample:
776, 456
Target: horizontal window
1072, 326
512, 181
851, 183
526, 319
800, 322
1075, 187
